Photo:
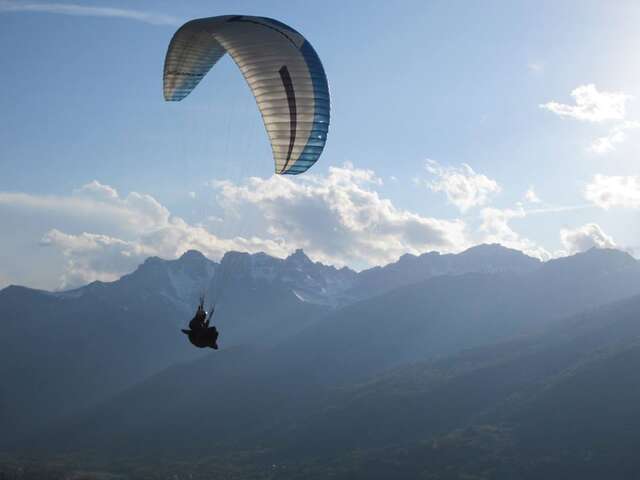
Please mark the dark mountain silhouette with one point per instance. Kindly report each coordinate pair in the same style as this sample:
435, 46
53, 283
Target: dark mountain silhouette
59, 354
565, 402
77, 347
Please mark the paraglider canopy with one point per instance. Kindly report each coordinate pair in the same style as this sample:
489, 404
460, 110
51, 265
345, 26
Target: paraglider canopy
282, 69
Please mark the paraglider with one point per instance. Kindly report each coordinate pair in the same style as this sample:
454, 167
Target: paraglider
282, 69
200, 333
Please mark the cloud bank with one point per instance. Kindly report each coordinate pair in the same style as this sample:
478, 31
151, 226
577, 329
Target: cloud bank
103, 235
339, 218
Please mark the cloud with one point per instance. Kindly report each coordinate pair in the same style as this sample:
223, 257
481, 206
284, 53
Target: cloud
535, 67
531, 196
615, 136
98, 191
591, 105
585, 237
98, 233
464, 188
495, 228
607, 143
103, 235
88, 11
613, 191
339, 218
92, 207
93, 257
101, 257
594, 106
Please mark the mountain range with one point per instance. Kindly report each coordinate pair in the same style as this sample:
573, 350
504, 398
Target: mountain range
397, 371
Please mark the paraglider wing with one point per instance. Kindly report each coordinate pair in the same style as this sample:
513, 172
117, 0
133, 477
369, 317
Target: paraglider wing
282, 69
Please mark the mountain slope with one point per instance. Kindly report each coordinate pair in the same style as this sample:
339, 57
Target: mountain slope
563, 404
79, 348
254, 400
446, 314
51, 348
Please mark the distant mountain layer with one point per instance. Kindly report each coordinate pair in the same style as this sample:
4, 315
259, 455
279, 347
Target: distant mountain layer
412, 269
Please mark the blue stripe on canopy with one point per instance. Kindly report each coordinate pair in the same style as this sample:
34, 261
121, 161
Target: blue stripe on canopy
318, 135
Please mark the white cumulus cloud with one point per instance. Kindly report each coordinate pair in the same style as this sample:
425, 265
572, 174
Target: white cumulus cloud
103, 235
613, 191
591, 105
495, 228
339, 218
585, 237
93, 257
463, 186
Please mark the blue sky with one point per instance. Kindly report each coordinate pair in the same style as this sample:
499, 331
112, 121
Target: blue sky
444, 116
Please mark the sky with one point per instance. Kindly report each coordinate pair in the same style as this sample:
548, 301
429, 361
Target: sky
453, 123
